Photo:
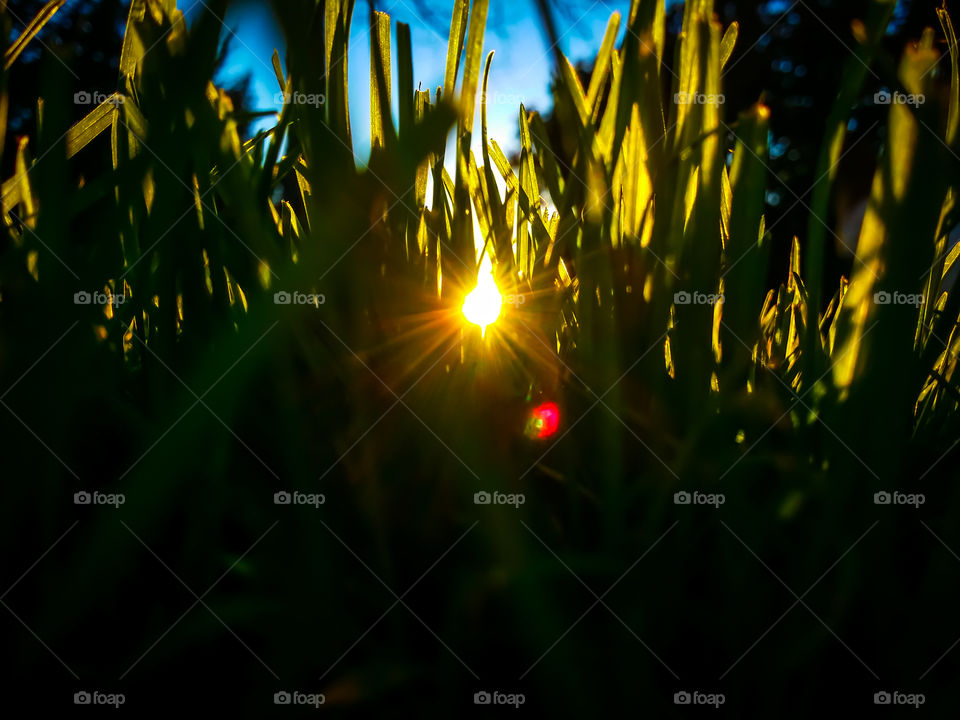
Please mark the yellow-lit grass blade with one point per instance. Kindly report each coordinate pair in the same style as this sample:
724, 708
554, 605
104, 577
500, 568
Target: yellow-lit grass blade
940, 309
726, 201
869, 36
953, 120
700, 246
380, 119
420, 106
133, 47
636, 79
18, 190
304, 187
462, 240
637, 187
500, 234
512, 189
4, 85
529, 201
575, 89
338, 14
875, 339
99, 119
29, 32
728, 43
937, 271
278, 70
601, 68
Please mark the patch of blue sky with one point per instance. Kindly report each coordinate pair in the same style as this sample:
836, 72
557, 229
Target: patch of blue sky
521, 70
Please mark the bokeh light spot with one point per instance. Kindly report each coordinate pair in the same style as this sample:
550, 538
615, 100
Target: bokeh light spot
543, 421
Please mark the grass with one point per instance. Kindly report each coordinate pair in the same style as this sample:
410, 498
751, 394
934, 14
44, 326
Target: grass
199, 397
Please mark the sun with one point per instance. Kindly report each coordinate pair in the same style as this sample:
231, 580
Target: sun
483, 304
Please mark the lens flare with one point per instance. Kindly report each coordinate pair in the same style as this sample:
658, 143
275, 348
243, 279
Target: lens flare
544, 421
482, 306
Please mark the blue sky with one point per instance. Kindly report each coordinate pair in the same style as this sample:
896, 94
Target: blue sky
521, 66
520, 71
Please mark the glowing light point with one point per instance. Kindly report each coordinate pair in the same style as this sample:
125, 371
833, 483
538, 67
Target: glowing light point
543, 421
482, 306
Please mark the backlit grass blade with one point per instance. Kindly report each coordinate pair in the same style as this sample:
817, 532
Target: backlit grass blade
380, 118
601, 68
278, 71
462, 240
133, 47
29, 32
953, 119
405, 80
529, 195
420, 106
870, 34
701, 245
501, 234
458, 31
336, 24
471, 68
575, 90
99, 119
878, 317
728, 43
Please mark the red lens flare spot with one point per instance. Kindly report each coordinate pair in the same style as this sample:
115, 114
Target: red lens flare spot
544, 420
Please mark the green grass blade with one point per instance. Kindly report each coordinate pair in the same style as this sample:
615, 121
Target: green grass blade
601, 67
405, 79
471, 68
458, 31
